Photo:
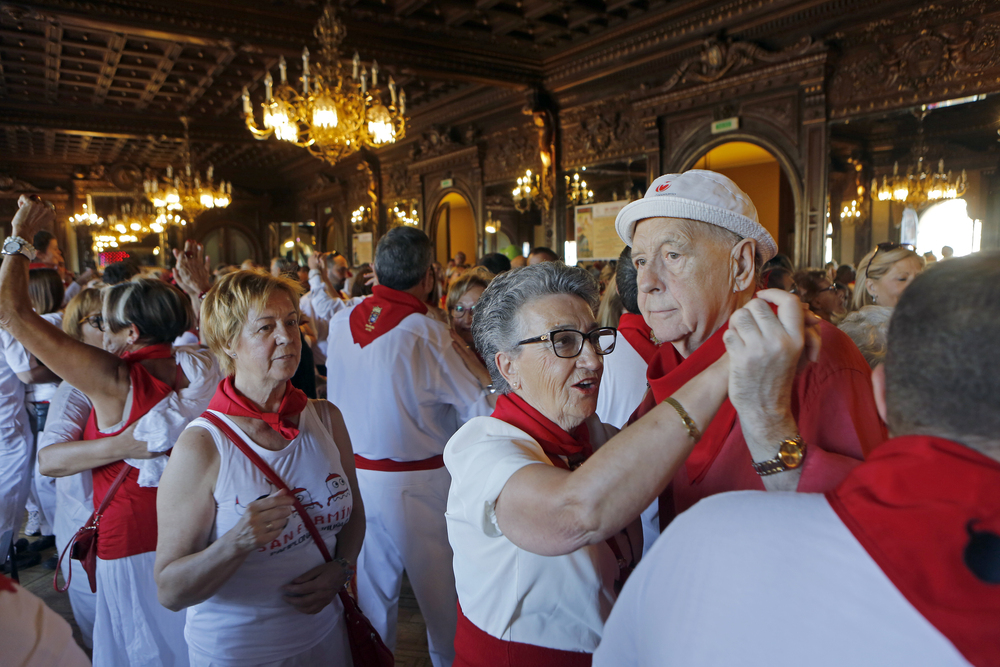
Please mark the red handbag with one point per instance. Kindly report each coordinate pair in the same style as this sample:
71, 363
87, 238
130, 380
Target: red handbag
367, 647
83, 546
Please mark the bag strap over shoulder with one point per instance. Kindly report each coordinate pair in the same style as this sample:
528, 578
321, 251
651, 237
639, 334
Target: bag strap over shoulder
271, 476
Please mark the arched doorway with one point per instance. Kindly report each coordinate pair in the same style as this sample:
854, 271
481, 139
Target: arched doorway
228, 245
759, 174
453, 229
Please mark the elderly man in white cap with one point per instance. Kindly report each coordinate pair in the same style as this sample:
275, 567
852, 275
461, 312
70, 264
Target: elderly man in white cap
698, 246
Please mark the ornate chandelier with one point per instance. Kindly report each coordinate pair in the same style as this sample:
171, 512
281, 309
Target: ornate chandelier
332, 115
187, 191
526, 191
405, 213
124, 226
577, 192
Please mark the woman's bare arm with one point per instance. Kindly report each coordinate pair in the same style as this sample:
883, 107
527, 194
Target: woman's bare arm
188, 569
68, 458
551, 512
101, 376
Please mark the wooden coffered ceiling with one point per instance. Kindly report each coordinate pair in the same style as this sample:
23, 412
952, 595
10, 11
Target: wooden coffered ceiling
85, 82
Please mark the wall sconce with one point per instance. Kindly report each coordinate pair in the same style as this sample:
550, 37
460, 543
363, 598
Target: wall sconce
491, 224
406, 213
577, 192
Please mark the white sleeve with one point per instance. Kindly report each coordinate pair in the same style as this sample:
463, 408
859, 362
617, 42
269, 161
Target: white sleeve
455, 383
14, 353
315, 281
68, 414
480, 465
162, 425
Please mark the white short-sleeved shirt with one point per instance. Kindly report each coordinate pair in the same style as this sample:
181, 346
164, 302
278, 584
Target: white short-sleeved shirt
770, 579
623, 384
558, 602
415, 389
40, 392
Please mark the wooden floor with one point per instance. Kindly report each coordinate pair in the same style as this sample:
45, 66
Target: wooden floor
411, 642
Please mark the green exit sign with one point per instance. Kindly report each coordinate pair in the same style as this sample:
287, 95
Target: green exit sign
726, 125
446, 183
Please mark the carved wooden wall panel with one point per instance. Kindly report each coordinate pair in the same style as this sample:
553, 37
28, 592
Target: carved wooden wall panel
509, 152
934, 52
600, 132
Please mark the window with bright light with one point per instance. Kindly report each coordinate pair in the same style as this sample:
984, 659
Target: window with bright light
948, 224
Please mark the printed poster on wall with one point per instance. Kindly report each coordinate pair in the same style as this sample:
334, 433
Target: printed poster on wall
361, 249
596, 237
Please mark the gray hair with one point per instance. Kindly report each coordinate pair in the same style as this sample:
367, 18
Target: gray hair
869, 328
495, 324
402, 258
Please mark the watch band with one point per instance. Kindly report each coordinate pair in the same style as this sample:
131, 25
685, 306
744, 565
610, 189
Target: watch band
791, 453
25, 249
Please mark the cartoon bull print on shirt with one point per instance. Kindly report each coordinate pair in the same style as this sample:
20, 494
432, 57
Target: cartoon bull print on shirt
338, 487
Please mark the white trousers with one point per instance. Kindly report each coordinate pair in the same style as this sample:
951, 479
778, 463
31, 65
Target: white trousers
132, 628
406, 530
15, 478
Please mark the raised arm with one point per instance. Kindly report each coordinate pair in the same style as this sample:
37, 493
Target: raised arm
188, 569
101, 376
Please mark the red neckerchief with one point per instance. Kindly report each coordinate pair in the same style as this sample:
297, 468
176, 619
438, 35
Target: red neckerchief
381, 312
555, 441
639, 335
7, 584
157, 351
229, 401
669, 371
913, 505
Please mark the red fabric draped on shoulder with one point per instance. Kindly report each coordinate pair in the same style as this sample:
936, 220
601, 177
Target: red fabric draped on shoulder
639, 335
381, 312
555, 441
229, 401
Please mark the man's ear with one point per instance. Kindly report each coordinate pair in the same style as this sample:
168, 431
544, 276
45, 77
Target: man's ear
508, 370
134, 335
878, 388
744, 264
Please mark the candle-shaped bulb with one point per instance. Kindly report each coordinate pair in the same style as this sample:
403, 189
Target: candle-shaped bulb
305, 60
392, 90
402, 101
187, 169
364, 81
268, 81
197, 182
354, 66
170, 172
246, 101
374, 74
283, 69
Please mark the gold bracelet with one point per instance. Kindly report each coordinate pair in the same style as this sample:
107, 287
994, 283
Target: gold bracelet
692, 428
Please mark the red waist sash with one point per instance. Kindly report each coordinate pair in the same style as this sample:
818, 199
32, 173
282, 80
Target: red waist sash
388, 465
475, 648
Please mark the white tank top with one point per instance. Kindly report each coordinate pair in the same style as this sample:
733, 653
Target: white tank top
247, 619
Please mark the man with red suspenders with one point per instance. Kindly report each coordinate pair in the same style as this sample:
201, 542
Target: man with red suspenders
404, 391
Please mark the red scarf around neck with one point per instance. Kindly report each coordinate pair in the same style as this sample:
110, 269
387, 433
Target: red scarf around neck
913, 505
669, 371
555, 441
157, 351
381, 312
229, 401
639, 335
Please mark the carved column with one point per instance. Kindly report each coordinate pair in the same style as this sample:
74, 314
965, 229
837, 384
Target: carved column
809, 251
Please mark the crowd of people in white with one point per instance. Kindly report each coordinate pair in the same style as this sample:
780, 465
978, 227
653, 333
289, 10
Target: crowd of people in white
680, 461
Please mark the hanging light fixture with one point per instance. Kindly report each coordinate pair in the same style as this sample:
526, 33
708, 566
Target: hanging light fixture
577, 192
186, 190
526, 191
920, 185
331, 114
405, 213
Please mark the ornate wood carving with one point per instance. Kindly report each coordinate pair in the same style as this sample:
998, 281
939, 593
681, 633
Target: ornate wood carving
509, 152
935, 52
720, 58
597, 132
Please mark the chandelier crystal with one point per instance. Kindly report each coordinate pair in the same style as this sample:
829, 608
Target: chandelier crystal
332, 114
186, 190
129, 224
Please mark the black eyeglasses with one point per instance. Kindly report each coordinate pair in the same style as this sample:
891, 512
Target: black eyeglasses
889, 246
568, 343
835, 287
460, 310
96, 321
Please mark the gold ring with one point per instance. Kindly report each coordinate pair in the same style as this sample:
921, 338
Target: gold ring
267, 526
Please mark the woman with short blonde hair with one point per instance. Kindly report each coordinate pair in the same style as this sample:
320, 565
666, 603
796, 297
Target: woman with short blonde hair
256, 588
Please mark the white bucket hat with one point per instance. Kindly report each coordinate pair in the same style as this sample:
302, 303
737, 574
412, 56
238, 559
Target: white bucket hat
705, 196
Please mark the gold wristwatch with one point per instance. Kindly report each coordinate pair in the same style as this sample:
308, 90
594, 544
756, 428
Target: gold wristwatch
791, 454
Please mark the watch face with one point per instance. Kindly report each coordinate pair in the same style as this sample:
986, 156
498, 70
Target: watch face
790, 454
11, 246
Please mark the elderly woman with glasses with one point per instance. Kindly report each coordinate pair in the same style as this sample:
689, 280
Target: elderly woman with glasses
544, 503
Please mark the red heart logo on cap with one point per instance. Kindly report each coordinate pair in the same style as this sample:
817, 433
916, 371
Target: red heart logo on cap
661, 188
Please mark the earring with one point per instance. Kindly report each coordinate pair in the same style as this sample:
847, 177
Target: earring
874, 298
